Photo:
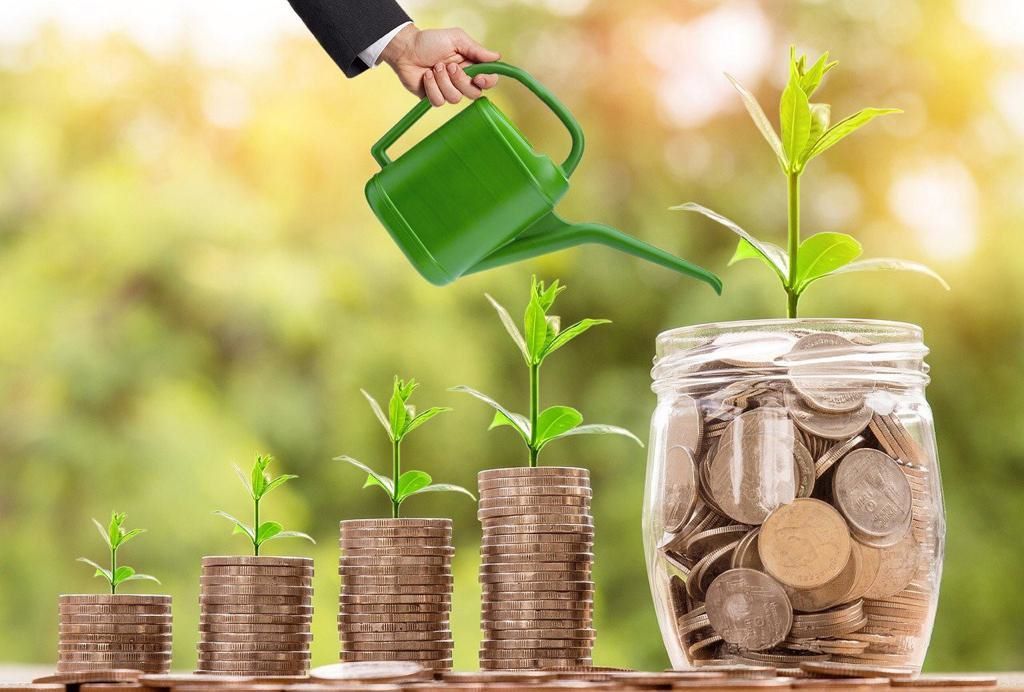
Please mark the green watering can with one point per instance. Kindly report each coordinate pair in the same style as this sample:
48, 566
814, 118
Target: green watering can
474, 195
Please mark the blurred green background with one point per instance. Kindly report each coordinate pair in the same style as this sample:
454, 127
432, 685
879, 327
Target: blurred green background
189, 274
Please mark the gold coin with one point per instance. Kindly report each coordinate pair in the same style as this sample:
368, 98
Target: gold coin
804, 544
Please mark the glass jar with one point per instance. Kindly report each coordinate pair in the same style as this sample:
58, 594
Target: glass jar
793, 509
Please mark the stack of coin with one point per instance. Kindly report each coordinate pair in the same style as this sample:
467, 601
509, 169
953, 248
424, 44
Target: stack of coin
538, 536
255, 615
796, 486
106, 631
396, 591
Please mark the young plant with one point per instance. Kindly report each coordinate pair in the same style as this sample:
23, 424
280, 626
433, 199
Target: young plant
115, 535
400, 421
540, 338
806, 133
258, 484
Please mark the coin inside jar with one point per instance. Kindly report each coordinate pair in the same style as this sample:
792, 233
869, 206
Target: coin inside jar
680, 491
873, 494
748, 608
804, 544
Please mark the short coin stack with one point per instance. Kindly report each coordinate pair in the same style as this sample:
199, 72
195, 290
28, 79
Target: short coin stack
255, 615
102, 631
396, 593
538, 595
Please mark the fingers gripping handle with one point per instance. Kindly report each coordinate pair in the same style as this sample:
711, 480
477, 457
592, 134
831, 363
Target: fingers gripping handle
379, 150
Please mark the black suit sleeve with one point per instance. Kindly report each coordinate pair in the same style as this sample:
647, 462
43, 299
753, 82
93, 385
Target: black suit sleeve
345, 28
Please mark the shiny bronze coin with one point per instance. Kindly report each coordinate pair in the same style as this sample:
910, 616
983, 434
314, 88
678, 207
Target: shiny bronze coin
548, 522
518, 501
110, 619
582, 564
114, 628
347, 544
404, 638
393, 523
542, 631
243, 637
946, 680
533, 472
243, 619
374, 534
256, 571
393, 562
503, 646
256, 590
411, 551
403, 590
397, 580
124, 675
113, 599
384, 627
256, 561
533, 576
854, 670
390, 598
217, 599
512, 484
214, 631
580, 586
804, 544
371, 672
234, 580
396, 609
253, 609
897, 567
531, 491
528, 653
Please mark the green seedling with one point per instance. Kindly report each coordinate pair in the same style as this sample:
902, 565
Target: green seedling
258, 484
542, 336
115, 535
401, 420
807, 132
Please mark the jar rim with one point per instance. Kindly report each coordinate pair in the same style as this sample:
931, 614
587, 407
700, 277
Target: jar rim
863, 326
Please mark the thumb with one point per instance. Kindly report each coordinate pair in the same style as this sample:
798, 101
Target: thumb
471, 50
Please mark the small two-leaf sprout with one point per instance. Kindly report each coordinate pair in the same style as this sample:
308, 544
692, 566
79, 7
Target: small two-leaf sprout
115, 535
401, 420
258, 484
806, 133
542, 336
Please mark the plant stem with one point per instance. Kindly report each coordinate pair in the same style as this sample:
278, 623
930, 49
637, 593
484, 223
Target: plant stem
793, 197
534, 411
396, 472
113, 570
256, 526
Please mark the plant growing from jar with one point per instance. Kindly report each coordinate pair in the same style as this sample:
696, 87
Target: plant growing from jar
806, 133
540, 338
401, 419
258, 484
116, 535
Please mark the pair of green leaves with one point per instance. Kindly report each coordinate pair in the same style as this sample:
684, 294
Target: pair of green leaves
806, 127
806, 133
259, 483
401, 420
114, 536
542, 336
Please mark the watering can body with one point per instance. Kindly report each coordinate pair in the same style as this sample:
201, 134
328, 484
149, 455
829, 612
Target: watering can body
473, 194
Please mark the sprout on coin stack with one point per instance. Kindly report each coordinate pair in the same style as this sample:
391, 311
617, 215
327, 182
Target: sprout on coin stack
538, 532
396, 592
256, 610
112, 630
793, 515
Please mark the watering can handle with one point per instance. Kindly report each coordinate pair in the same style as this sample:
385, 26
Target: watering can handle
379, 150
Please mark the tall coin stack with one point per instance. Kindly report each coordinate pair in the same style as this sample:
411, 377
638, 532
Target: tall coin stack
102, 631
537, 556
255, 615
396, 592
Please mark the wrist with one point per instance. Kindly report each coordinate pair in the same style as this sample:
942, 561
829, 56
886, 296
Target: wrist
399, 45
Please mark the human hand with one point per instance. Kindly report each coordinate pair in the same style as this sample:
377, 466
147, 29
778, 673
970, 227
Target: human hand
432, 63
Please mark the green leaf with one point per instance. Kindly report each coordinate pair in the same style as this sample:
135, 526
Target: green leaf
570, 333
259, 478
519, 422
822, 254
773, 256
278, 482
141, 577
379, 413
760, 120
104, 534
795, 116
600, 429
240, 526
122, 573
114, 529
423, 418
845, 127
100, 571
555, 421
291, 534
374, 478
268, 530
442, 488
512, 418
411, 481
745, 250
128, 535
397, 412
821, 114
245, 480
889, 264
510, 327
535, 327
811, 79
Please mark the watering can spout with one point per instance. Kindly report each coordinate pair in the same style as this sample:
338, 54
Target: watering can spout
550, 234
